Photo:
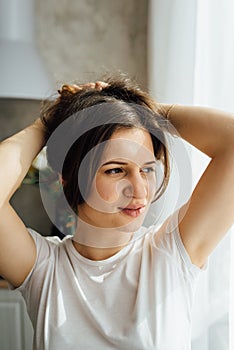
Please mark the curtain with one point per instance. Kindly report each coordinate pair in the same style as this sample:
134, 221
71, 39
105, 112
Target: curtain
190, 61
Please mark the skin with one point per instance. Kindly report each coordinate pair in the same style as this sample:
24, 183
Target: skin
120, 196
203, 223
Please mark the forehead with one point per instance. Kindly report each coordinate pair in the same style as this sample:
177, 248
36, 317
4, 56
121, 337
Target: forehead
133, 145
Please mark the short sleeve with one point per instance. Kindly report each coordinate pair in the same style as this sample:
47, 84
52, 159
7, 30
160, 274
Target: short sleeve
44, 250
170, 243
173, 229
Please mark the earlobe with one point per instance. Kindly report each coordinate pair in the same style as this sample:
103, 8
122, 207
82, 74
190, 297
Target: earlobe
61, 180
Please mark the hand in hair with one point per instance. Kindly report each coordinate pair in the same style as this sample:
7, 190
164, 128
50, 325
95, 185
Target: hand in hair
73, 88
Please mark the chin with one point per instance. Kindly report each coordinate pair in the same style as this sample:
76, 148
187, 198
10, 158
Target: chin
131, 226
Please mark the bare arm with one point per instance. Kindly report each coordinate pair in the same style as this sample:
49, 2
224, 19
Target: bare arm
210, 212
17, 248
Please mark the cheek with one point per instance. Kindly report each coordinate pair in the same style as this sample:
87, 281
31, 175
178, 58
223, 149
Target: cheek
107, 190
152, 186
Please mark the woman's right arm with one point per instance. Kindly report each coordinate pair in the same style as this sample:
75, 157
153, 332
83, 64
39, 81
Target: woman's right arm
17, 248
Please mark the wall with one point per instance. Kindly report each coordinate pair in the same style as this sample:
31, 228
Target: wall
81, 39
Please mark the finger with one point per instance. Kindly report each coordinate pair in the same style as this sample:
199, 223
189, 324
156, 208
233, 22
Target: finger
99, 85
87, 86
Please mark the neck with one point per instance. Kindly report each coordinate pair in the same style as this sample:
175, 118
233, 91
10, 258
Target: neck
97, 243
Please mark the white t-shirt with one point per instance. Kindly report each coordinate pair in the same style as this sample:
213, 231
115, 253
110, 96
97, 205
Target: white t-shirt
138, 299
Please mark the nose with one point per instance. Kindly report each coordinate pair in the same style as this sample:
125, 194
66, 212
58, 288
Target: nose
137, 187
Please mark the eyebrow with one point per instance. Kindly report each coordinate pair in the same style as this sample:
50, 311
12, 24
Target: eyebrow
124, 163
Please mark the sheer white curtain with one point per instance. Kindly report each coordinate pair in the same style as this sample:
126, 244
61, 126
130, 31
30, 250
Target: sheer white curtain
191, 55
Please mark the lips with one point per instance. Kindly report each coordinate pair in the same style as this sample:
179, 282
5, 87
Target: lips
133, 211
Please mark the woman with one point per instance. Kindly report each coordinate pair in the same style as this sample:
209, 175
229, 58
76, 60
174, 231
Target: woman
114, 284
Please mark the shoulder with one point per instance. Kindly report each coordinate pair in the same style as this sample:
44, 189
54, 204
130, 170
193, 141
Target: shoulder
43, 242
48, 252
166, 240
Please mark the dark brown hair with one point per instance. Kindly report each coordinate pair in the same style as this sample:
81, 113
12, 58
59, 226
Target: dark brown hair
120, 104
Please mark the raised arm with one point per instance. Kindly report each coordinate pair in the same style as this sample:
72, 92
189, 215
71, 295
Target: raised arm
17, 249
210, 213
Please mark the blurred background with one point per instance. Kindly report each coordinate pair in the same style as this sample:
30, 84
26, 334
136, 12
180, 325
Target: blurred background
181, 51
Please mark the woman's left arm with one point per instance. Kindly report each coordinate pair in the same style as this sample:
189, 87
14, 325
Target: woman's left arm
210, 211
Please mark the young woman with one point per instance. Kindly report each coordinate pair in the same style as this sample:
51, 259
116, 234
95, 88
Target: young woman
115, 284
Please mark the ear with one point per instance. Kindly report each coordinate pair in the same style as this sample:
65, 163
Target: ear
61, 180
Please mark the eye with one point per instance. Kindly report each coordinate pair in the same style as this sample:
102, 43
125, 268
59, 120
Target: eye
148, 170
114, 171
